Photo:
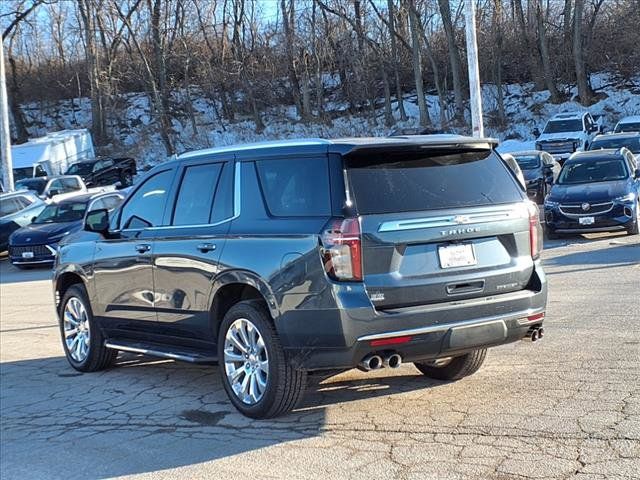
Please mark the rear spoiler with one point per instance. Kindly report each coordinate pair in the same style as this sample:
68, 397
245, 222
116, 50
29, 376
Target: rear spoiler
415, 144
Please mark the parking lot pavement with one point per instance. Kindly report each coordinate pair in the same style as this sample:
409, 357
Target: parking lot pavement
565, 407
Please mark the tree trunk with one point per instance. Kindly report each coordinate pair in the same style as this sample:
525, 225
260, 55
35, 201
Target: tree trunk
388, 113
288, 42
454, 59
14, 103
584, 91
543, 47
417, 64
394, 58
497, 58
98, 127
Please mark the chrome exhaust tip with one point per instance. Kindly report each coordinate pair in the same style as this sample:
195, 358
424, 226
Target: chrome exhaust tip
370, 362
393, 361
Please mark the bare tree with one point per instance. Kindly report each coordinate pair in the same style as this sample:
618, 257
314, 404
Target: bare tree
584, 89
454, 59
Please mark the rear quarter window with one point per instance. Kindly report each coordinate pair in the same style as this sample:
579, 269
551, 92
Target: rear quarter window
404, 182
295, 187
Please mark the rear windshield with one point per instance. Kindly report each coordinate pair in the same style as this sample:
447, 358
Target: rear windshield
80, 168
401, 182
632, 143
527, 162
35, 184
605, 170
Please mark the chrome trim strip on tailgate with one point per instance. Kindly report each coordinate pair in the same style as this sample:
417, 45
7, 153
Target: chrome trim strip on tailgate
452, 220
447, 326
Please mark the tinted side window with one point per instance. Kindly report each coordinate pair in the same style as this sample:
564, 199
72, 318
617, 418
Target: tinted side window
294, 188
195, 198
8, 206
71, 184
145, 208
404, 182
108, 203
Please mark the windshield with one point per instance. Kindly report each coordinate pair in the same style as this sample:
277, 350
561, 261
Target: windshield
632, 144
528, 162
628, 127
606, 170
558, 126
34, 184
80, 168
20, 173
66, 212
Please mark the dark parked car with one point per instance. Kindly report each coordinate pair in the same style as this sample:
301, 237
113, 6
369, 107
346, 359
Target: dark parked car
630, 141
597, 191
540, 170
36, 243
281, 258
105, 171
16, 210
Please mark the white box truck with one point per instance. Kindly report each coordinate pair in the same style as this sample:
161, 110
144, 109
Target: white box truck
52, 154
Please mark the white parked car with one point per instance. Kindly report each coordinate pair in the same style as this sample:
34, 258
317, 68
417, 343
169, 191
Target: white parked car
566, 133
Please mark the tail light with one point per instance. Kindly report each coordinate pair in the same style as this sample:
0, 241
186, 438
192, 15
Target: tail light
535, 231
342, 250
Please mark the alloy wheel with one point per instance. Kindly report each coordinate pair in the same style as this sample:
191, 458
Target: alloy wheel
246, 361
76, 329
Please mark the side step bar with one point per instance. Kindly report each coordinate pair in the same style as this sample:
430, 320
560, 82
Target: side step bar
183, 354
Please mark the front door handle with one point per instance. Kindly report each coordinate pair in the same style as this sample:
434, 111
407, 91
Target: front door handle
206, 247
143, 248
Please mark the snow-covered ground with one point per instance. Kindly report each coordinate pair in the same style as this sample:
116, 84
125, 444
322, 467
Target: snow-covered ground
134, 131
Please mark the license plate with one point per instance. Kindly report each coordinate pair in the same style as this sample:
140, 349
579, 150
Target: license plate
27, 254
461, 255
586, 220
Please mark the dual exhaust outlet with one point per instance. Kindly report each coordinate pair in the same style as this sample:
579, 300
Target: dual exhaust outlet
374, 362
534, 334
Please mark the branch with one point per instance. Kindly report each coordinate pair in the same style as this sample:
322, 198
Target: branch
19, 17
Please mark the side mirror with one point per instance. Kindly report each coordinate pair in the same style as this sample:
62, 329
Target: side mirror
536, 132
53, 193
33, 219
636, 174
97, 221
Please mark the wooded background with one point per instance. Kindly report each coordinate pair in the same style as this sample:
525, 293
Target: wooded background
250, 55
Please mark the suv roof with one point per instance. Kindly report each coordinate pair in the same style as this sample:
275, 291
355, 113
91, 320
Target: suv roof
618, 135
346, 146
630, 119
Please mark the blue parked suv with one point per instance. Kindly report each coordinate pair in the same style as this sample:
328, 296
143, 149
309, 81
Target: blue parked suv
596, 191
278, 259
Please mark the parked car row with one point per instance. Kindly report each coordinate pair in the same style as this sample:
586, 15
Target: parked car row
597, 189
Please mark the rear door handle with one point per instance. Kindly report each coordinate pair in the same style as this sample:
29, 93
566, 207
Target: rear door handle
206, 247
143, 248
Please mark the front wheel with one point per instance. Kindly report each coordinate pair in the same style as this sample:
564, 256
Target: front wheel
454, 368
634, 229
82, 339
255, 371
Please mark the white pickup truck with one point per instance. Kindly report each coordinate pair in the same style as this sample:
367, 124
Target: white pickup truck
566, 133
58, 187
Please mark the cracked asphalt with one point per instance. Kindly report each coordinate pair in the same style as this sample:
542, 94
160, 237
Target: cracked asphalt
565, 407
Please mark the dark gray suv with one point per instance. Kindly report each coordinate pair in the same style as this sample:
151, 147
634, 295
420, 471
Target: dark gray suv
278, 259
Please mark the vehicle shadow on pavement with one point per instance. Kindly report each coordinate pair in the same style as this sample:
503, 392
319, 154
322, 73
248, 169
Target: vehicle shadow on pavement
608, 256
146, 415
11, 274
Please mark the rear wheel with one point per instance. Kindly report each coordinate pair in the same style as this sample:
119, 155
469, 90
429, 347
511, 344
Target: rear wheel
82, 339
256, 374
126, 179
454, 368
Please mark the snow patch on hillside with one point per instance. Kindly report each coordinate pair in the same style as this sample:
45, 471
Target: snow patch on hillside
135, 133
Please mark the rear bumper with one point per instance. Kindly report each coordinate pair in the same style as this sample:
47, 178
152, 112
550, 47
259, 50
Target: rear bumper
341, 338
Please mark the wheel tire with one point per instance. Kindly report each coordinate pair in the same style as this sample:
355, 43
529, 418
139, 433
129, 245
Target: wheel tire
285, 384
550, 234
634, 229
98, 356
126, 179
457, 368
